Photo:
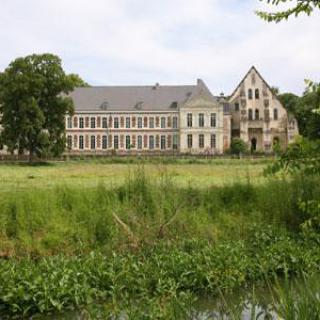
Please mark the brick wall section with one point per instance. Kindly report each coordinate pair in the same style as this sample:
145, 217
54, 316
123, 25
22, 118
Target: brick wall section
133, 122
110, 122
169, 141
86, 122
169, 122
110, 141
98, 141
122, 141
75, 122
157, 122
145, 141
86, 144
122, 122
145, 122
75, 141
134, 141
98, 122
157, 141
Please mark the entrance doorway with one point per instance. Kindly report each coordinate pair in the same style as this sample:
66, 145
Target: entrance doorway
253, 144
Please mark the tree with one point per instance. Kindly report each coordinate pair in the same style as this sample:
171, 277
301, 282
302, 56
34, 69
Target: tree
238, 146
77, 81
289, 101
300, 6
34, 103
275, 90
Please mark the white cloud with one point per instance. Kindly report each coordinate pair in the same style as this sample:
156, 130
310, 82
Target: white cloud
172, 41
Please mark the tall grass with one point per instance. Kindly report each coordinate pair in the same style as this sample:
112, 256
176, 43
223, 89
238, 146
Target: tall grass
148, 241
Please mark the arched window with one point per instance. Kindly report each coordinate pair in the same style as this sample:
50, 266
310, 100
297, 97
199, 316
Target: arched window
250, 114
275, 114
256, 114
250, 94
256, 94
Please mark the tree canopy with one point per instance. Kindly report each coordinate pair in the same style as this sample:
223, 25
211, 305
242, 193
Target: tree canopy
34, 103
77, 80
297, 8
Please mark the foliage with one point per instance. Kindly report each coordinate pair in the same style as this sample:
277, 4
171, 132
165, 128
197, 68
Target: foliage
289, 101
148, 243
238, 146
34, 105
299, 7
77, 81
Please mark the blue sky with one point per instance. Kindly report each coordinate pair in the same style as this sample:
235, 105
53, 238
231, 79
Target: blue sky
119, 42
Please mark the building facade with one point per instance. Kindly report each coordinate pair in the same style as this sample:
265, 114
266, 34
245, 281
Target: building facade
258, 117
176, 119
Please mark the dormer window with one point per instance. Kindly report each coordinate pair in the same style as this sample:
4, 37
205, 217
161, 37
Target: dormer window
174, 104
139, 105
104, 105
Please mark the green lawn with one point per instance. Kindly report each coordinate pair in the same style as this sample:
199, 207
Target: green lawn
91, 173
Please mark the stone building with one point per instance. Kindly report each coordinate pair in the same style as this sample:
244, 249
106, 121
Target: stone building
258, 117
146, 119
185, 119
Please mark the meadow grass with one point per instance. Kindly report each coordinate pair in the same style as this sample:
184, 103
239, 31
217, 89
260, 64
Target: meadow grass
200, 173
148, 241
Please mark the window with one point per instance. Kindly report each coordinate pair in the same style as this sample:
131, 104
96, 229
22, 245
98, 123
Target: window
151, 122
139, 142
256, 116
256, 94
201, 120
151, 142
104, 142
93, 142
69, 123
69, 142
116, 123
250, 114
81, 142
163, 142
236, 106
128, 123
275, 114
213, 120
175, 122
189, 141
116, 142
104, 123
81, 124
175, 142
163, 122
189, 120
93, 122
213, 141
201, 141
250, 94
139, 122
128, 145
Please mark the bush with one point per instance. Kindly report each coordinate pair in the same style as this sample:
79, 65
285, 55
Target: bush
238, 146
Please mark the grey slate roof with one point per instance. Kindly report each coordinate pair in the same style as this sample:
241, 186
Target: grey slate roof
135, 98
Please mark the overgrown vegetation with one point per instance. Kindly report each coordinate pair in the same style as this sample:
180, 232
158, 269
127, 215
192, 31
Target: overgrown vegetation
147, 248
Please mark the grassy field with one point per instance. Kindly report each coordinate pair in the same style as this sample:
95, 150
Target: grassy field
159, 234
202, 173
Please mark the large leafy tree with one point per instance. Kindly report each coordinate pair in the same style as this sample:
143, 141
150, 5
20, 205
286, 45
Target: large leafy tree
296, 8
33, 104
77, 80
